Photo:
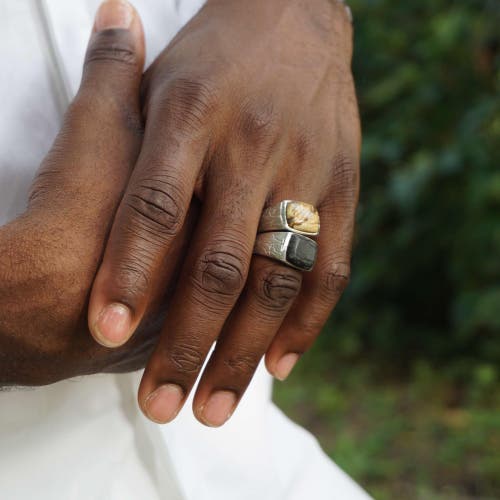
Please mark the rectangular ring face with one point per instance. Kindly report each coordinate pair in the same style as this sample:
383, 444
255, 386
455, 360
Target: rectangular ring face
301, 252
302, 217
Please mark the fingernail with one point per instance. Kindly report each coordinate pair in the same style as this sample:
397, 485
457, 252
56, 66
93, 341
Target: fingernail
349, 13
163, 405
285, 366
113, 324
114, 14
218, 409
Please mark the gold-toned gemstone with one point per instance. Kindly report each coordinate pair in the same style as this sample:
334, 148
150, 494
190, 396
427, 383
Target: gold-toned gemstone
302, 217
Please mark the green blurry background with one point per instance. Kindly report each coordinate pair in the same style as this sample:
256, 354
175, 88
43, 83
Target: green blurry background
403, 388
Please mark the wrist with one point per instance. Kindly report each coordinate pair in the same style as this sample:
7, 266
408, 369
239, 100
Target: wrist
33, 316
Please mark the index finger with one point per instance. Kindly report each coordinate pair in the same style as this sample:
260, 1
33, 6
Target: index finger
149, 218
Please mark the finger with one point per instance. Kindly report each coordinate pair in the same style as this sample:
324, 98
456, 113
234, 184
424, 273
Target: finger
213, 277
93, 154
151, 214
270, 291
323, 287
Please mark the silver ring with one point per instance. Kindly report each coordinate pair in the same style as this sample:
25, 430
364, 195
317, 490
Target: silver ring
294, 216
294, 250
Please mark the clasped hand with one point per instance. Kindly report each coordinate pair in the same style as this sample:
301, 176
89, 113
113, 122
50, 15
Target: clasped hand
251, 103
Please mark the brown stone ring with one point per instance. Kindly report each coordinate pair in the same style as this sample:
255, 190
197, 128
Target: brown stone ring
285, 232
293, 216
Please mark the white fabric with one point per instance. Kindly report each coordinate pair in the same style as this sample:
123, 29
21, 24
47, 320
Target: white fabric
86, 439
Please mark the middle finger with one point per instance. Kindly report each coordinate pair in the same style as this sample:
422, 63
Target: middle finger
213, 276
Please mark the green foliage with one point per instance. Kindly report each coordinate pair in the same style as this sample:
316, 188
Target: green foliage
403, 387
426, 267
420, 439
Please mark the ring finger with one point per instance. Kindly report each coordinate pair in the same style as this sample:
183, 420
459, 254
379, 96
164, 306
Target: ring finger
271, 289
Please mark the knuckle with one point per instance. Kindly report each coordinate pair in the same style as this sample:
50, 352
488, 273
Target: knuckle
131, 281
157, 205
241, 364
303, 147
345, 172
258, 126
309, 331
112, 45
188, 101
342, 190
306, 330
221, 271
336, 280
276, 288
186, 358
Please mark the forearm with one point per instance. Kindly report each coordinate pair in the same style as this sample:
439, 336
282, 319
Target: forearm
16, 281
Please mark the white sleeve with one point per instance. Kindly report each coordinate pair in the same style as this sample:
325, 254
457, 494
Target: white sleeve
188, 8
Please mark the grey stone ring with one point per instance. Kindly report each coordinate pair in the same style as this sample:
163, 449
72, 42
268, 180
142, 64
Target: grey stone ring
294, 250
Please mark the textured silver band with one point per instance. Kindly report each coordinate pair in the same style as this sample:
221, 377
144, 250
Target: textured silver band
284, 247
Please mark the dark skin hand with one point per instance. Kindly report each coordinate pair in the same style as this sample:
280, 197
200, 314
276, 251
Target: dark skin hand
49, 255
251, 103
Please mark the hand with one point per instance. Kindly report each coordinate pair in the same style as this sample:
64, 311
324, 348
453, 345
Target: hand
49, 256
252, 103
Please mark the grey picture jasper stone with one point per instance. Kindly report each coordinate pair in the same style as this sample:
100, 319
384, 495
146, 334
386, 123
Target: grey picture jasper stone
301, 252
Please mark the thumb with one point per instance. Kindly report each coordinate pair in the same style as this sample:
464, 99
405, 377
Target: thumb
115, 55
90, 162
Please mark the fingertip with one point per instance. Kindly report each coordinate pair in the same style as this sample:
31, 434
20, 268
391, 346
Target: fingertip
285, 365
121, 14
217, 409
280, 360
114, 14
270, 362
163, 404
112, 327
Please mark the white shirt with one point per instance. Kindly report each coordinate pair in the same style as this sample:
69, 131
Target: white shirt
85, 438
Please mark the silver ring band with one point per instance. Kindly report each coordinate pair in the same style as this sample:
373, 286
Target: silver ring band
294, 250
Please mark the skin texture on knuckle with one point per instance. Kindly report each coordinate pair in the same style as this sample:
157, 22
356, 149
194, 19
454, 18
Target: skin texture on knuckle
341, 193
344, 172
277, 288
157, 206
258, 129
241, 364
187, 103
220, 272
131, 280
336, 279
304, 332
185, 358
303, 145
